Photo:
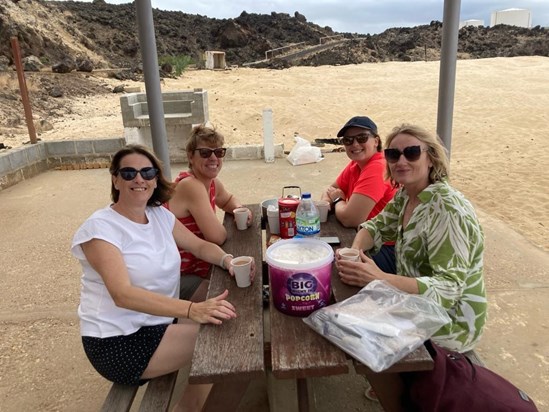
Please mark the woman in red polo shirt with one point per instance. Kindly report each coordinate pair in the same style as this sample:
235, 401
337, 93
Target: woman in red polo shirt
361, 191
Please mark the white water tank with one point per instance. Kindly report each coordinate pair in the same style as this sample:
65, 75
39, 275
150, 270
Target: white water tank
512, 17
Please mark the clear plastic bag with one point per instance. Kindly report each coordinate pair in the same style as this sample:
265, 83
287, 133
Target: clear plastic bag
379, 325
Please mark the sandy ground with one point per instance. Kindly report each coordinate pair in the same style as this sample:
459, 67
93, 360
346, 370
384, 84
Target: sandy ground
500, 142
499, 160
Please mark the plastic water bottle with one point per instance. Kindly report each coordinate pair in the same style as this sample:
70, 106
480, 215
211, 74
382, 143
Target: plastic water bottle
307, 217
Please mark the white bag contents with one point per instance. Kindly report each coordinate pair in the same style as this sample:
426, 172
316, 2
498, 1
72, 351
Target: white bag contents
380, 324
303, 153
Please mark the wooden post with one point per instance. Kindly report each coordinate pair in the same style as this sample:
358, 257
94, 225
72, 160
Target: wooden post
23, 89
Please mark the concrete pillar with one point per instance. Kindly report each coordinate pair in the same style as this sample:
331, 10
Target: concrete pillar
268, 138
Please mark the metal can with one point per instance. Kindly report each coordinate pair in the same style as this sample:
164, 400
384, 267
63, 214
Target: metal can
286, 216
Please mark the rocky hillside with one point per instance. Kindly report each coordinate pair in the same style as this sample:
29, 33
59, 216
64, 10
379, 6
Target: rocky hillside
58, 37
107, 35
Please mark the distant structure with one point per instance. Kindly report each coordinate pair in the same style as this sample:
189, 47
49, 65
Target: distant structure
215, 60
471, 22
512, 17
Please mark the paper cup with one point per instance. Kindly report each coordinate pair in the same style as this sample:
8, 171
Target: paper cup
242, 266
274, 221
348, 253
323, 208
241, 218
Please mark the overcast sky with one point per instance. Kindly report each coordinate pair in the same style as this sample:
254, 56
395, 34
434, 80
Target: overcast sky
356, 16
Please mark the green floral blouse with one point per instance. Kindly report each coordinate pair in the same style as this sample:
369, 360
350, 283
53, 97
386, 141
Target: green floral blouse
442, 247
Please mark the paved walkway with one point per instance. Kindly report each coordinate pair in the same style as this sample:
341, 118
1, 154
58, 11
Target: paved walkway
40, 288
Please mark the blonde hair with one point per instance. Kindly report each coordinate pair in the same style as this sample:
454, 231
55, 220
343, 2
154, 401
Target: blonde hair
435, 150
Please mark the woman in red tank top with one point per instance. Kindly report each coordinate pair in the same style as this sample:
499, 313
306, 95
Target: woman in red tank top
197, 194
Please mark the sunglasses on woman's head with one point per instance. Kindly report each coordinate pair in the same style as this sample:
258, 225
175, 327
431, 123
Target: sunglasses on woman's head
360, 138
205, 152
129, 173
411, 153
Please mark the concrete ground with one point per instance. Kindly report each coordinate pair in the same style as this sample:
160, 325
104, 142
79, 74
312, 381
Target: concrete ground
40, 350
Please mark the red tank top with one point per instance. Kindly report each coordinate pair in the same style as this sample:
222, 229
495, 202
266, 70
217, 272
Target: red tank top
190, 264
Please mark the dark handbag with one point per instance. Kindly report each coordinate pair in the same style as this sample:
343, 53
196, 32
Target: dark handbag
456, 384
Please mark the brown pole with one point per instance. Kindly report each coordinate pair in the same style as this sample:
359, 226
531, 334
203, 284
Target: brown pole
23, 89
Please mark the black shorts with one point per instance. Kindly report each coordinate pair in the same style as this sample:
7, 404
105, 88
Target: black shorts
123, 359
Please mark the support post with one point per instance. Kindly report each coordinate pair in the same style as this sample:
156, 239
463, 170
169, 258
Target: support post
149, 56
23, 89
447, 79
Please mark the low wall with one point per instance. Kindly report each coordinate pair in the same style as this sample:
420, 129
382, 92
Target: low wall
25, 162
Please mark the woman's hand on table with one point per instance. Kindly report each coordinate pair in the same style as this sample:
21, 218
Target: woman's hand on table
213, 310
333, 193
358, 273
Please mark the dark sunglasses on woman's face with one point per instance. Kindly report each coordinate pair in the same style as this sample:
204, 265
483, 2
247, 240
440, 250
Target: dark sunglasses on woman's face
129, 173
205, 152
411, 153
360, 138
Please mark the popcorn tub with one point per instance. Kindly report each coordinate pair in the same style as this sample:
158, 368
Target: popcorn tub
300, 271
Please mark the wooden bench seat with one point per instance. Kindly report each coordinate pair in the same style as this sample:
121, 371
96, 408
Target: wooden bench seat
157, 397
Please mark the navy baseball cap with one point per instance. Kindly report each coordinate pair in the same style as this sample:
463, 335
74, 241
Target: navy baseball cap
359, 121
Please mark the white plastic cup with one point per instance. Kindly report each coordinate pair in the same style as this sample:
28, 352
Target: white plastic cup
323, 208
348, 253
274, 220
241, 218
242, 266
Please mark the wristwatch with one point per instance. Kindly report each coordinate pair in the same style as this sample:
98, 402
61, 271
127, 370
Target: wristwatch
337, 199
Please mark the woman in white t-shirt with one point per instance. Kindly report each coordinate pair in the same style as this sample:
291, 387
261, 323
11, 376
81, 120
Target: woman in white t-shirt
130, 282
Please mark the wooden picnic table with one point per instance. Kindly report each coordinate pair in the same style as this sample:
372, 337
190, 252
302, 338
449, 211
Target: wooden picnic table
231, 355
295, 351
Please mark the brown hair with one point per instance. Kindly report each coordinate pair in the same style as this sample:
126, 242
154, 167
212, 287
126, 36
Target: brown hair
164, 188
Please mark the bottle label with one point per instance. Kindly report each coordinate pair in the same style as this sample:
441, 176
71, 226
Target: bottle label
308, 226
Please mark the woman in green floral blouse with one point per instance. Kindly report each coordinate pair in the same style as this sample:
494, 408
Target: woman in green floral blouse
439, 241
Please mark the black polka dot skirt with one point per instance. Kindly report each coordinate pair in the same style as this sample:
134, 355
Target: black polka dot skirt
123, 359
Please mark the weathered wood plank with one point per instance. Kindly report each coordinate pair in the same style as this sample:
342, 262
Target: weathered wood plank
234, 350
159, 393
119, 398
297, 351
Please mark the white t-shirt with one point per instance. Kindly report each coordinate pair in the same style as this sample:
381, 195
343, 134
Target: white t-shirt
152, 260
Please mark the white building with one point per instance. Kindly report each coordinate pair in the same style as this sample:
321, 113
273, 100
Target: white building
513, 17
471, 22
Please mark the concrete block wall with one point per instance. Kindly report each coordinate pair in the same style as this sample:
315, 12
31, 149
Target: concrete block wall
25, 162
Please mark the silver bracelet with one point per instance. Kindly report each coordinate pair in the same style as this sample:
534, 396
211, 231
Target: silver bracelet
222, 262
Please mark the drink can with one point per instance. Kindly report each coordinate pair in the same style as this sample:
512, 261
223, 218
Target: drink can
286, 216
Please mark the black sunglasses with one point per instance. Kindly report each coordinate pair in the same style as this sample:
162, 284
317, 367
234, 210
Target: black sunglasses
411, 153
205, 152
129, 173
360, 138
